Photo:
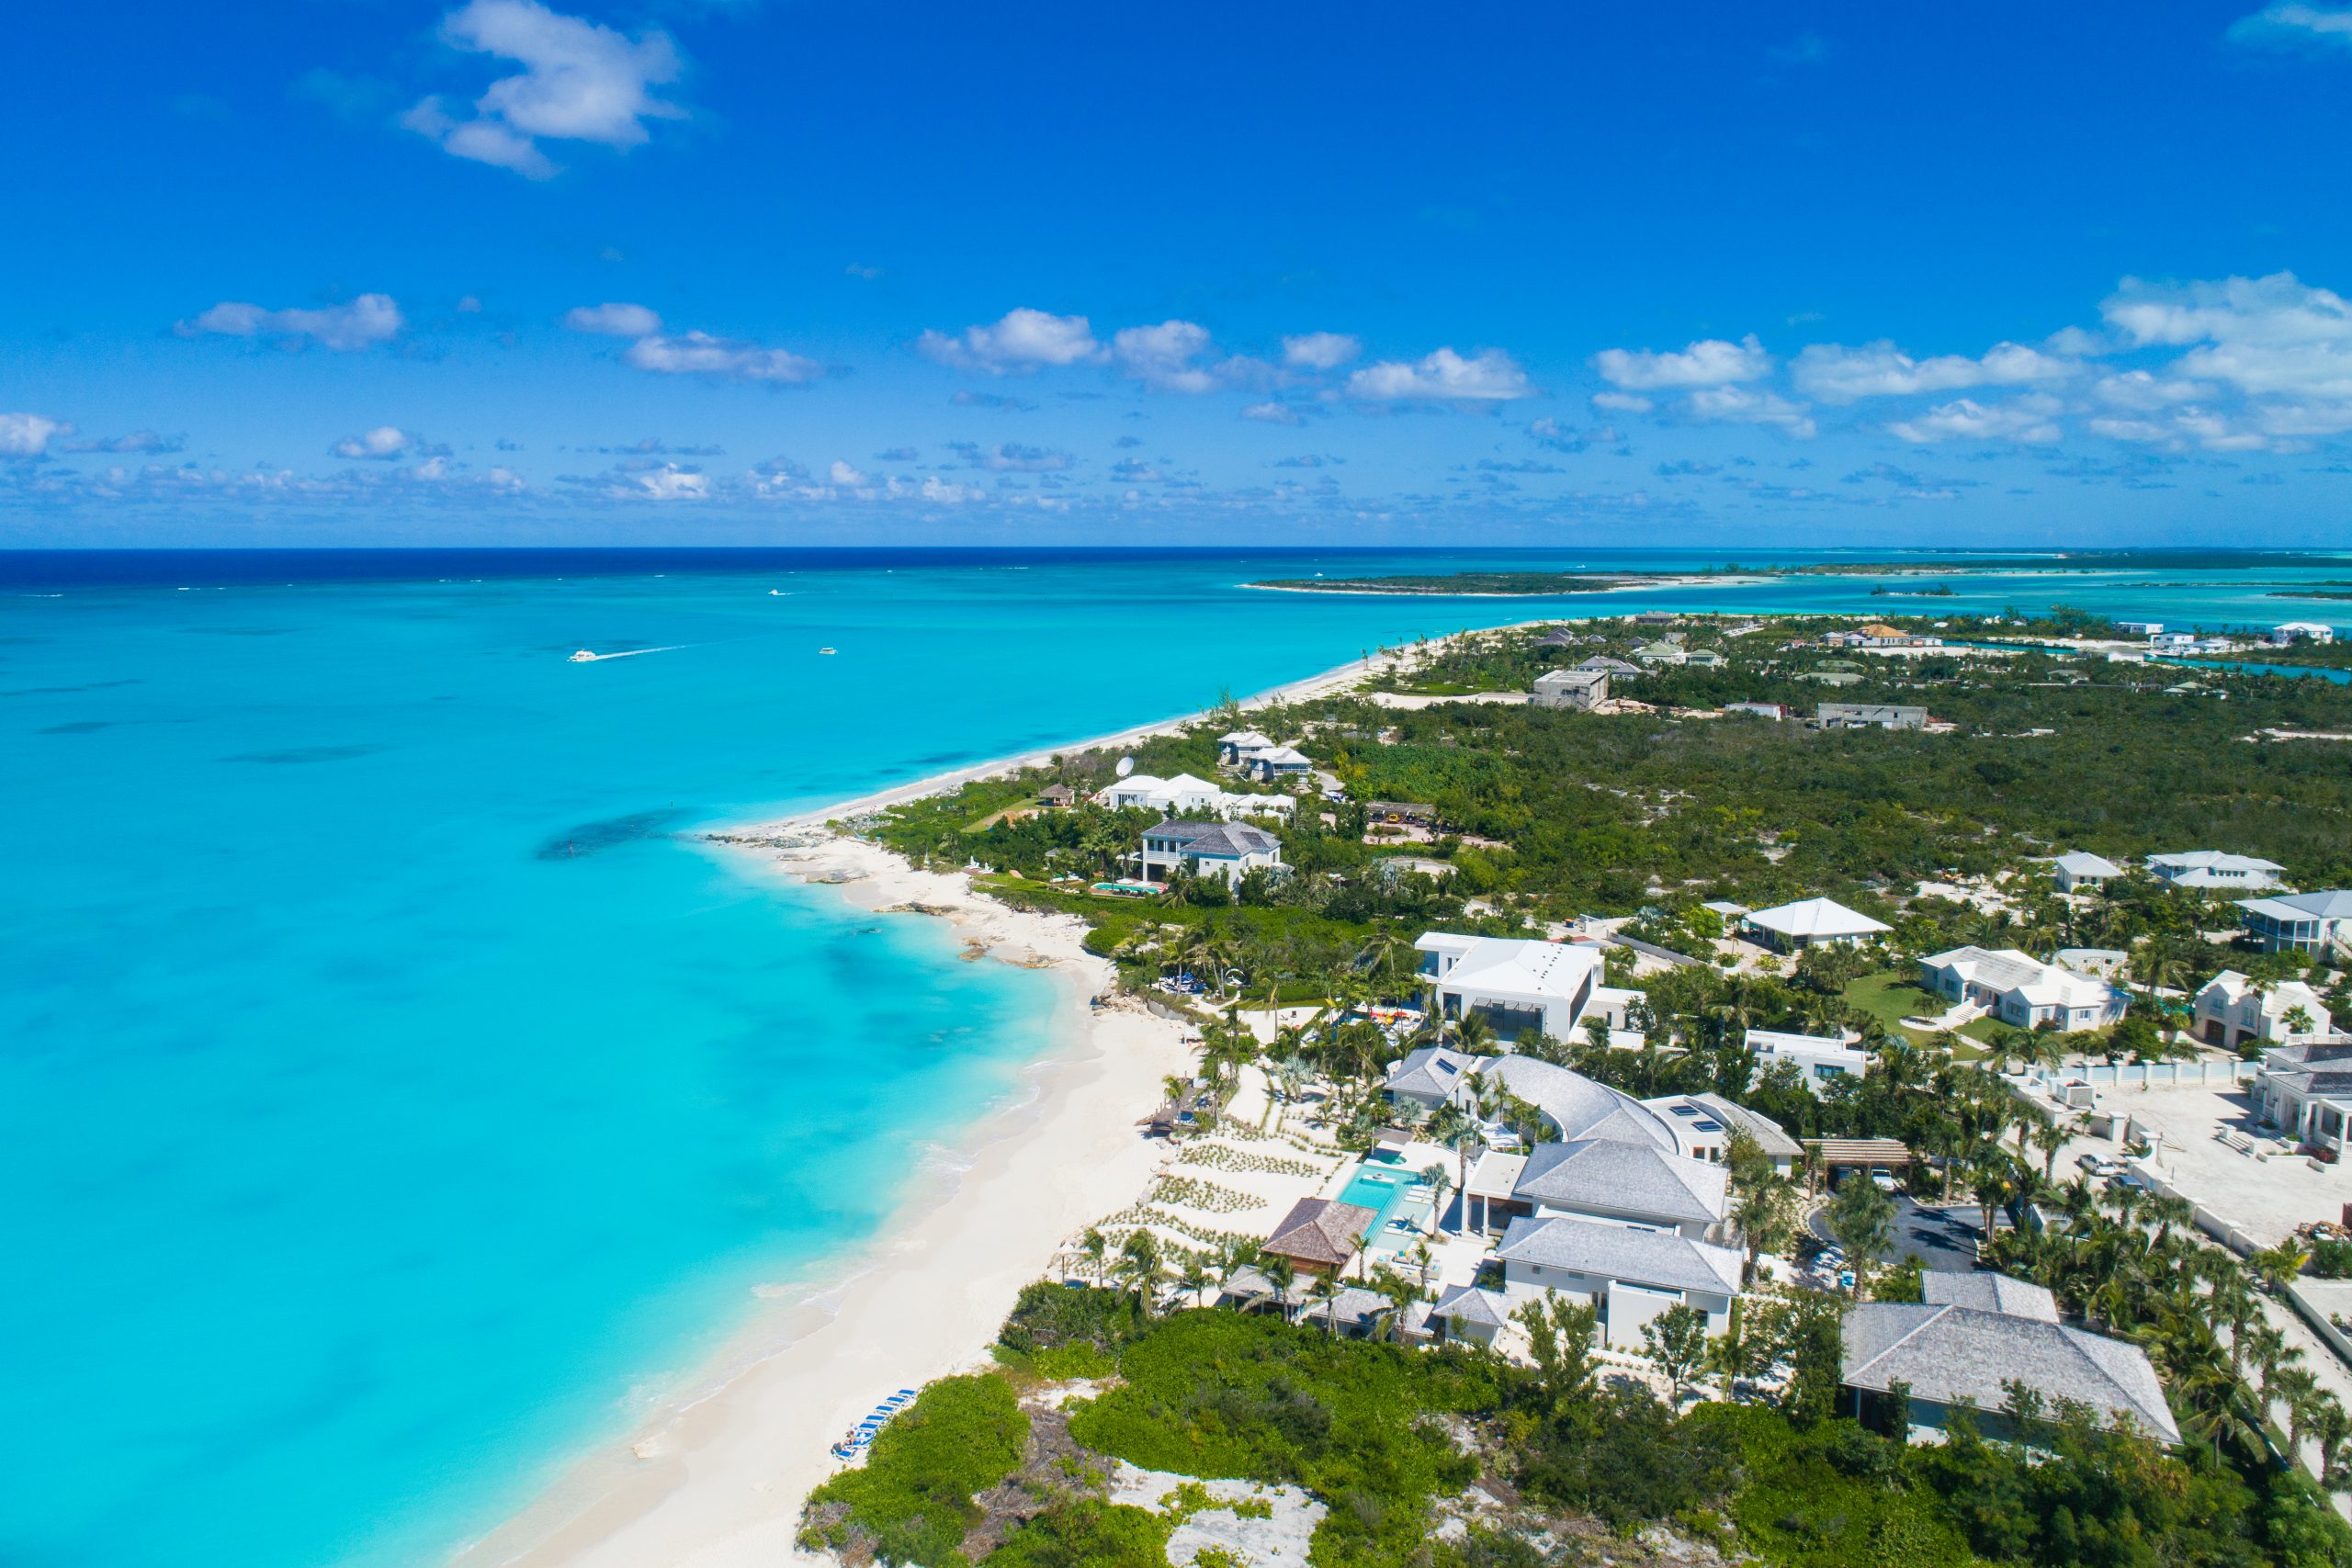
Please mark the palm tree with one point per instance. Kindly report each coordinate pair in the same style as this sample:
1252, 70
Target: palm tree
1138, 1266
1097, 1249
2298, 1388
2051, 1138
1325, 1292
1399, 1293
1194, 1277
1439, 1181
2279, 1266
1764, 1208
1280, 1274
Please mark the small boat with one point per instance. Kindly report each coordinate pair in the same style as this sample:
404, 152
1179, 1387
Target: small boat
583, 656
824, 651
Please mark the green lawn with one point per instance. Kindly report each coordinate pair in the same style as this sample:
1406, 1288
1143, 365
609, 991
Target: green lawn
1894, 995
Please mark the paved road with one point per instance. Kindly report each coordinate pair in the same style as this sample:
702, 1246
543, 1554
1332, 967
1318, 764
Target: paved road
1938, 1236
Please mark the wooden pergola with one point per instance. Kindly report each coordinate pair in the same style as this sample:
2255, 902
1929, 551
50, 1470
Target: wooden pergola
1870, 1154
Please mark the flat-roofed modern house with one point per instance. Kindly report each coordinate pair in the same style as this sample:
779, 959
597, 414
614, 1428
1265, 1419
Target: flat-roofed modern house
1518, 985
2213, 868
2022, 991
2231, 1010
1969, 1348
1870, 715
2307, 1091
1578, 689
1820, 1060
2078, 869
1319, 1234
1225, 850
2307, 922
1810, 922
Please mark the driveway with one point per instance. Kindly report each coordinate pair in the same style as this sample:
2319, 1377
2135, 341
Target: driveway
1940, 1236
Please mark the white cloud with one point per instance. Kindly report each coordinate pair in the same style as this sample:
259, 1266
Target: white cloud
1622, 402
2290, 25
367, 321
383, 444
2284, 345
2142, 391
1836, 374
847, 476
1162, 357
1490, 376
1274, 413
936, 489
1709, 362
722, 359
668, 482
1025, 340
1739, 405
27, 434
580, 82
2027, 419
1319, 351
613, 320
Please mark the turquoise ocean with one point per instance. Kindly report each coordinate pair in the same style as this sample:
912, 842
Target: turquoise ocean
394, 1099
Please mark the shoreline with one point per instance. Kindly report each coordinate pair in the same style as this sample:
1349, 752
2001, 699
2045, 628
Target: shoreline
716, 1475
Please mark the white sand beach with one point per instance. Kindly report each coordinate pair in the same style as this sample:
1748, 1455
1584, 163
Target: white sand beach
717, 1478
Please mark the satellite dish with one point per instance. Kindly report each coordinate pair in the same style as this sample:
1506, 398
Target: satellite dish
1126, 765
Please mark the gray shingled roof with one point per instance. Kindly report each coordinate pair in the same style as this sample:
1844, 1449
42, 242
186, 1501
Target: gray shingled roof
1954, 1355
1433, 1070
1214, 838
1988, 1293
1468, 1303
2319, 1068
1619, 1178
1577, 1105
1665, 1259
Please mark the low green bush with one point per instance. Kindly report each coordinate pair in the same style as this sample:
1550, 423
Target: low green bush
1087, 1534
911, 1501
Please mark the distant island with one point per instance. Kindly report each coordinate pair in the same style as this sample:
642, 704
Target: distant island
1479, 584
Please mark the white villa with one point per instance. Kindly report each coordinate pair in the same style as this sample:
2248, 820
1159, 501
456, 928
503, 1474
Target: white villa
2307, 1091
2309, 922
1185, 795
1235, 744
1661, 653
2213, 868
1276, 763
1225, 850
1787, 928
1582, 689
2288, 632
1821, 1060
2021, 990
1617, 1213
1518, 985
2078, 869
2231, 1009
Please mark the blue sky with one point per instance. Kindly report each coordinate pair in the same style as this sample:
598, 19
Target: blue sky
364, 271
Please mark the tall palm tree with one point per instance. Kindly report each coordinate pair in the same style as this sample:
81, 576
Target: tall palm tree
1280, 1274
1195, 1279
2298, 1388
1138, 1266
1325, 1293
1439, 1181
1097, 1248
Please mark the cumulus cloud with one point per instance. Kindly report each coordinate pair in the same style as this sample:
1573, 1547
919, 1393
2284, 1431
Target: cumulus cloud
386, 443
1488, 376
580, 81
1024, 340
138, 442
2029, 419
722, 359
613, 319
2277, 341
369, 320
2179, 429
28, 435
1271, 412
846, 475
1162, 358
1837, 374
2292, 26
1742, 405
2145, 390
1709, 362
1319, 351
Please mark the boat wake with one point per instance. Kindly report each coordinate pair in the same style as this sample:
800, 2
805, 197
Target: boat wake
588, 656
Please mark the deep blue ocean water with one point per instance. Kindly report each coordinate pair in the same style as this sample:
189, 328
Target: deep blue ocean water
389, 1100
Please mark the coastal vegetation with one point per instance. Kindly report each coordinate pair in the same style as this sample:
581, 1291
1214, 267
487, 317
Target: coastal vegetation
1569, 1460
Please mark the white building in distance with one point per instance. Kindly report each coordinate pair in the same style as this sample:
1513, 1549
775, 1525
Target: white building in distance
1811, 922
2214, 868
2232, 1009
1821, 1061
2022, 991
2078, 869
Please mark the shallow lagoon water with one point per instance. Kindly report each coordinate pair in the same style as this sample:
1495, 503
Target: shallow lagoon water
390, 1100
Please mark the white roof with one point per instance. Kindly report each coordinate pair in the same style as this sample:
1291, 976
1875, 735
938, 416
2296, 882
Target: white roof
1243, 737
1512, 966
2334, 904
1815, 918
1284, 754
2011, 972
2082, 863
2214, 859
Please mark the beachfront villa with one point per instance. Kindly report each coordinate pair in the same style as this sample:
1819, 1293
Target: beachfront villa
1518, 985
2307, 922
2022, 991
1235, 745
1277, 763
2231, 1010
2307, 1091
1971, 1336
1809, 922
1185, 795
2213, 868
2078, 870
2287, 633
1820, 1059
1224, 850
